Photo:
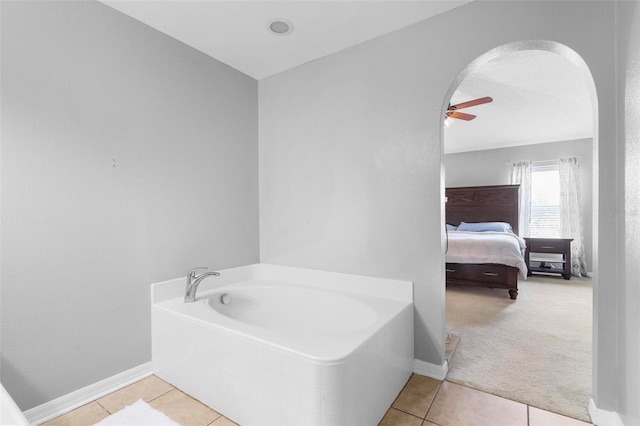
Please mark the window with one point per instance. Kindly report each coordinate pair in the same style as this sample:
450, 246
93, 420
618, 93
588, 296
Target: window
545, 200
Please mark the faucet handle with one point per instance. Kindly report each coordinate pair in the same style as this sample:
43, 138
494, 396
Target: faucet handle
192, 273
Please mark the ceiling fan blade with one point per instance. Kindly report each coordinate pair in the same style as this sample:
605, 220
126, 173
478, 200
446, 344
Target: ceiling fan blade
474, 102
461, 115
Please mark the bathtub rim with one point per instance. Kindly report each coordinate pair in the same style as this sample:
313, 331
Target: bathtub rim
388, 288
398, 295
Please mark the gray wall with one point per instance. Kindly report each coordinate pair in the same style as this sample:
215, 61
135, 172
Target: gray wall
350, 154
628, 314
82, 240
492, 167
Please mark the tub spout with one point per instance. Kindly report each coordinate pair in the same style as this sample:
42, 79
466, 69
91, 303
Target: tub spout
193, 281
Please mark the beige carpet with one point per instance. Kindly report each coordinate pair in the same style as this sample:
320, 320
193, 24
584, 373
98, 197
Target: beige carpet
536, 349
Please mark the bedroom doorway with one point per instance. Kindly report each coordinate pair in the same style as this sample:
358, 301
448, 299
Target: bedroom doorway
518, 348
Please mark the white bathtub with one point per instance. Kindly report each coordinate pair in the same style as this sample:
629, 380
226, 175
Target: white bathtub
10, 413
292, 347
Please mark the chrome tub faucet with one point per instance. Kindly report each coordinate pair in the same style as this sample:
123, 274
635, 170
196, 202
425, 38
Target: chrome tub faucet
193, 281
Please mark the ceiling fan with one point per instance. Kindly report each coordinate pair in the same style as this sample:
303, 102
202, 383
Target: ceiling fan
452, 110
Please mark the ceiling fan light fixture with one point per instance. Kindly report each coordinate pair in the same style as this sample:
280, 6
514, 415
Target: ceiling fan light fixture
448, 122
280, 27
452, 110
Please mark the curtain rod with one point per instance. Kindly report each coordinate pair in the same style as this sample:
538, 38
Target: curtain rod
509, 163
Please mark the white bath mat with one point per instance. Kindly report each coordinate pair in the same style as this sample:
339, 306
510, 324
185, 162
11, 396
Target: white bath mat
137, 414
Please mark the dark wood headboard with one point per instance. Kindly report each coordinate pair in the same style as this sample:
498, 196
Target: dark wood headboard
496, 203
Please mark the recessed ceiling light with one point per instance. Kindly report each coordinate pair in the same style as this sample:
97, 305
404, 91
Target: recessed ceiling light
280, 27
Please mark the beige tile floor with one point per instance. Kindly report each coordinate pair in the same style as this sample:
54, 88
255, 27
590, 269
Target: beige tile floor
427, 402
422, 402
177, 405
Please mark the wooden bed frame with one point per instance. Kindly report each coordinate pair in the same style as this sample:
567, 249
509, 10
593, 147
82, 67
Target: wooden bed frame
497, 203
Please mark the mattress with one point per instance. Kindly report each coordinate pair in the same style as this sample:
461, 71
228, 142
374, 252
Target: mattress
487, 247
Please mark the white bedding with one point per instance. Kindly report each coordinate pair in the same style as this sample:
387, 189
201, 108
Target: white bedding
487, 247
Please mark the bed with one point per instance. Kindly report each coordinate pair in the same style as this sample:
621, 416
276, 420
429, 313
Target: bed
496, 203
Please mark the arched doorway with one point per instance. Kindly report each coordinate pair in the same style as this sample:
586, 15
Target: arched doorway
583, 73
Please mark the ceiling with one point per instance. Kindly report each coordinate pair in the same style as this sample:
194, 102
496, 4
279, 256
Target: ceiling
236, 32
538, 96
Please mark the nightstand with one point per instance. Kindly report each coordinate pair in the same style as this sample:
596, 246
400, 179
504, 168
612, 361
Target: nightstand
538, 247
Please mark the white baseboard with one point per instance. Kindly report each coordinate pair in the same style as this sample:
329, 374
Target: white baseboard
601, 417
75, 399
431, 370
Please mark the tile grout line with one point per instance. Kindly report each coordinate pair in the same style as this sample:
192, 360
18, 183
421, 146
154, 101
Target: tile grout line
433, 400
406, 412
398, 396
103, 407
218, 418
197, 400
153, 399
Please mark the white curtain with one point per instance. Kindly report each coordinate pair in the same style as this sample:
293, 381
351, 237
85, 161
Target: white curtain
521, 175
570, 216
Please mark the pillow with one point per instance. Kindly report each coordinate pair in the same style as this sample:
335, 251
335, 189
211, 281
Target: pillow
451, 227
485, 227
